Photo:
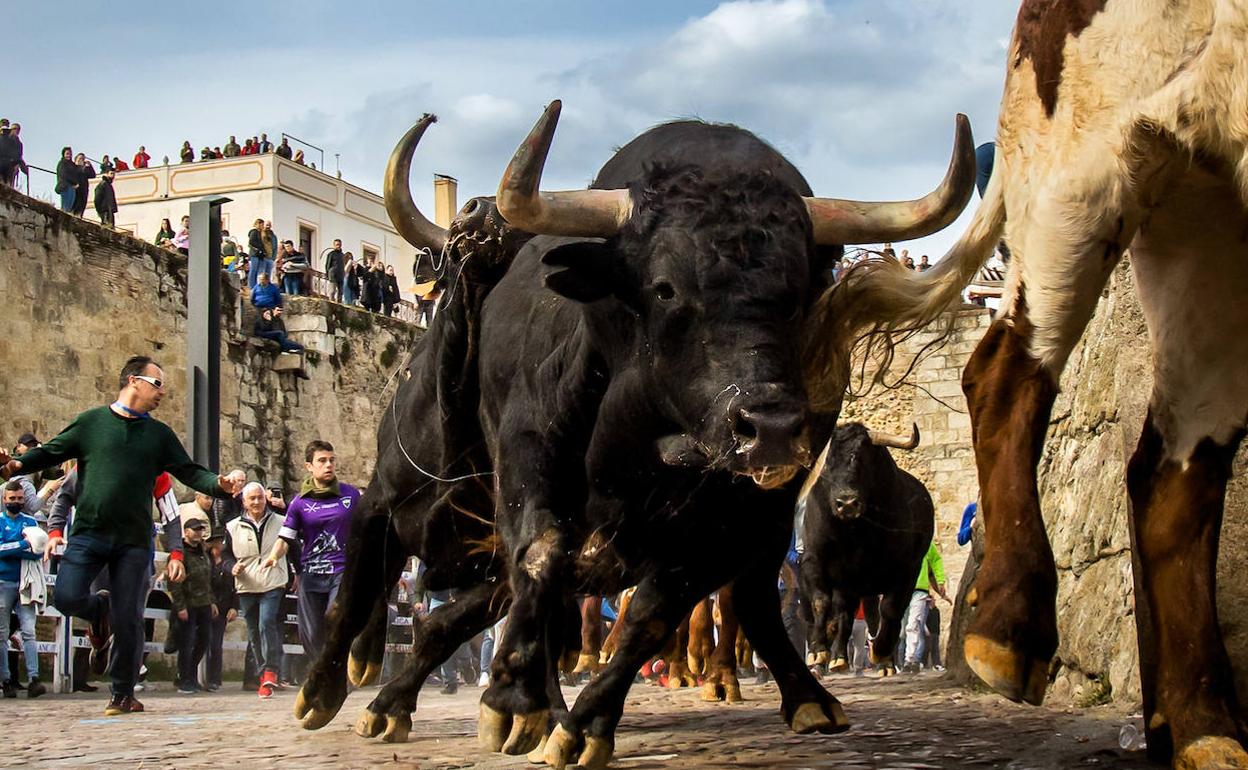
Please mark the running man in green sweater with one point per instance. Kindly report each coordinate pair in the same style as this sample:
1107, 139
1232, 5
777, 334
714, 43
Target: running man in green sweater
120, 450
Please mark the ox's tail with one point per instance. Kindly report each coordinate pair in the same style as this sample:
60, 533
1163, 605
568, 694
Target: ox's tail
879, 303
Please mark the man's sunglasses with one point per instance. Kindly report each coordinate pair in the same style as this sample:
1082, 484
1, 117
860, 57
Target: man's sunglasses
155, 383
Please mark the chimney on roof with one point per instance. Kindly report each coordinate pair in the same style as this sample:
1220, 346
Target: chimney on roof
445, 190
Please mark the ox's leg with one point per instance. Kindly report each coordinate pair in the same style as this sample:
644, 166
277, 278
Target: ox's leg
806, 706
586, 736
721, 682
843, 606
677, 658
369, 648
1191, 267
820, 603
434, 640
375, 560
701, 637
1064, 249
591, 636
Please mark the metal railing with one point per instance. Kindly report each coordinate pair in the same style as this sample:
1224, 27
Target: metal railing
309, 145
317, 284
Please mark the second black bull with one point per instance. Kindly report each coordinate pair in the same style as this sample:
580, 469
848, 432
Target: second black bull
865, 529
637, 377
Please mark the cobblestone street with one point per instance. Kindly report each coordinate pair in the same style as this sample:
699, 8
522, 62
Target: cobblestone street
898, 723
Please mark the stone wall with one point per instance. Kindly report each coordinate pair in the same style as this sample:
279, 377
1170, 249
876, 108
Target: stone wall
78, 300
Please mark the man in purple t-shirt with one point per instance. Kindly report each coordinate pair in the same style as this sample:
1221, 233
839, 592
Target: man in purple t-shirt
320, 518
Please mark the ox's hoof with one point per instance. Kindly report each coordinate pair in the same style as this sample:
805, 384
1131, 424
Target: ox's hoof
1212, 753
398, 728
810, 659
728, 691
822, 657
887, 670
362, 673
312, 717
817, 718
586, 664
677, 681
1011, 673
538, 755
562, 747
510, 733
838, 665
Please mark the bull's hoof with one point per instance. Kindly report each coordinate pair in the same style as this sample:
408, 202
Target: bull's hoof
822, 657
1213, 752
510, 733
362, 673
838, 665
537, 755
562, 746
1007, 671
887, 670
398, 728
696, 665
715, 692
817, 718
677, 681
369, 724
311, 717
810, 659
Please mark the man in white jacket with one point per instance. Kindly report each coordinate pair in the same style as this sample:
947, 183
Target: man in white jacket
248, 540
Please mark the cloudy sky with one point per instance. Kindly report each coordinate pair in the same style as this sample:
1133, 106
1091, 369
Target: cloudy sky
859, 94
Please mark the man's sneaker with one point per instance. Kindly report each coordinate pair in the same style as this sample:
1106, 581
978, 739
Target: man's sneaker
268, 681
98, 632
484, 681
212, 687
187, 689
451, 687
85, 687
35, 688
139, 686
9, 690
123, 704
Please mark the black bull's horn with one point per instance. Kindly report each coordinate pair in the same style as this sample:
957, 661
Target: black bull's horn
879, 438
407, 219
601, 213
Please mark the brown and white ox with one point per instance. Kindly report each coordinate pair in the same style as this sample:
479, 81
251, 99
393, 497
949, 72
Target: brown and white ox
1124, 124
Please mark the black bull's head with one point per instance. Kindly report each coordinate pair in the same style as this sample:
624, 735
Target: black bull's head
855, 468
720, 265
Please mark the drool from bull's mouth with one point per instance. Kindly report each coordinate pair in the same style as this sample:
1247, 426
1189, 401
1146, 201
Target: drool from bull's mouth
773, 478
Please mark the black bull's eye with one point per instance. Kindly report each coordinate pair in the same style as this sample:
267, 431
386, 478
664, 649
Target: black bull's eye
664, 291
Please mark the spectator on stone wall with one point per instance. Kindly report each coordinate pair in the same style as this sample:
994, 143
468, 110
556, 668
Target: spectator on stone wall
120, 164
351, 280
266, 295
319, 521
264, 145
14, 549
141, 158
334, 267
293, 266
269, 326
106, 200
106, 164
164, 236
10, 155
249, 148
256, 252
284, 150
229, 249
298, 157
373, 282
248, 539
206, 153
182, 241
66, 179
187, 153
232, 150
924, 264
193, 604
390, 291
84, 173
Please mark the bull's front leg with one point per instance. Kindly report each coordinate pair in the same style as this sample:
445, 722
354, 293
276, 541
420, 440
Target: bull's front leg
585, 737
820, 604
515, 709
843, 606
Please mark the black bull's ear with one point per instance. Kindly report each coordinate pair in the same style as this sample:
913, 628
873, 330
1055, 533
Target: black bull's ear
583, 270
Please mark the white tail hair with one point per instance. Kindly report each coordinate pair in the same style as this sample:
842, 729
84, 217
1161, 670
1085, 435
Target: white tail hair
879, 303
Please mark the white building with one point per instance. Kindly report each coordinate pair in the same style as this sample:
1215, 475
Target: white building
305, 205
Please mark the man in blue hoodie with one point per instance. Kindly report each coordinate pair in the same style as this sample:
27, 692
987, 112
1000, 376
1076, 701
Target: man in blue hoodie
266, 295
13, 549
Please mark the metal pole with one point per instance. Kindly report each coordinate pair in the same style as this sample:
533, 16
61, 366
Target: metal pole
203, 332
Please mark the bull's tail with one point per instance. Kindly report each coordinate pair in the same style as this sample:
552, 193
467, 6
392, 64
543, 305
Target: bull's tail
879, 303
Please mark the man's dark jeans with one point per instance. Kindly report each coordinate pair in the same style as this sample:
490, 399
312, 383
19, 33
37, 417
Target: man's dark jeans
264, 627
129, 567
216, 647
288, 345
194, 633
316, 596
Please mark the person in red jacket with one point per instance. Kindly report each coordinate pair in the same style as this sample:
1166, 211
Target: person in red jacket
141, 158
120, 165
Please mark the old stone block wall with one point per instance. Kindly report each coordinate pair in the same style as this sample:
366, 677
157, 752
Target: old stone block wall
78, 300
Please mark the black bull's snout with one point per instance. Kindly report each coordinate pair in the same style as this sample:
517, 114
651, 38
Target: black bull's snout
770, 438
